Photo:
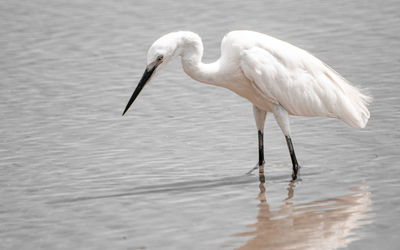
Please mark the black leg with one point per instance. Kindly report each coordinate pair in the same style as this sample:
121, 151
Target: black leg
293, 157
260, 148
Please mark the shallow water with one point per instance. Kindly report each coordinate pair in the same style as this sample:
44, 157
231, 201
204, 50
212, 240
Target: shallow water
74, 174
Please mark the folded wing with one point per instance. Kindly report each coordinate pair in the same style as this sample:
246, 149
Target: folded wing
303, 85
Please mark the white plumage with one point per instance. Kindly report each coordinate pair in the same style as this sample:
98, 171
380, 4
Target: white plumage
273, 75
301, 83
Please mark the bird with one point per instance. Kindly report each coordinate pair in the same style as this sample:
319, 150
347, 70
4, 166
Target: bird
275, 76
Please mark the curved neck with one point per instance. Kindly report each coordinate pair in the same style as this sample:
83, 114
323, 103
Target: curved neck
192, 54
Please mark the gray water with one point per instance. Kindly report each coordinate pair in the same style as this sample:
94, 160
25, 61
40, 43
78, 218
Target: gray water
171, 174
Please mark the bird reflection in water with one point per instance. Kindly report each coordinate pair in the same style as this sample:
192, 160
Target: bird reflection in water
324, 224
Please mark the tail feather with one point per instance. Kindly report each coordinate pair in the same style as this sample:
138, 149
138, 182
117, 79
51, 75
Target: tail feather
359, 101
358, 115
354, 102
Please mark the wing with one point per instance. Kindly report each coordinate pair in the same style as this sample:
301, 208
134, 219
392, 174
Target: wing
303, 85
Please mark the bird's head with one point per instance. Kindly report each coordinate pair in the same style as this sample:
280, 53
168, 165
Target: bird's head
160, 52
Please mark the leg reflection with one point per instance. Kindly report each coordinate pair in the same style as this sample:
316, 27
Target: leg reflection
322, 224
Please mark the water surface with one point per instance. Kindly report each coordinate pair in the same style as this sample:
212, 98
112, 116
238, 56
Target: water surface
74, 174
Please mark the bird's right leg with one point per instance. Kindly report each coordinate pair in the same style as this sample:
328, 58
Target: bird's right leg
259, 116
282, 117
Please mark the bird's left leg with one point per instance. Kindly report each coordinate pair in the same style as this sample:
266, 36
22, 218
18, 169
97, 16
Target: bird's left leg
259, 116
282, 117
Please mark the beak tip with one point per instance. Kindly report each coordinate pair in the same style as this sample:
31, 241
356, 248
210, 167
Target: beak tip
146, 76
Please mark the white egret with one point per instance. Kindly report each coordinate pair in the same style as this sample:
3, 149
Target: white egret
273, 75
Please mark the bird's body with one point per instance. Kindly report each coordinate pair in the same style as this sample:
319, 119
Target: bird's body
273, 75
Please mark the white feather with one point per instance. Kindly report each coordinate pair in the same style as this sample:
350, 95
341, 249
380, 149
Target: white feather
268, 72
299, 82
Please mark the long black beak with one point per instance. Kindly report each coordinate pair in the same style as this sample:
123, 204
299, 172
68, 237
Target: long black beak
146, 76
